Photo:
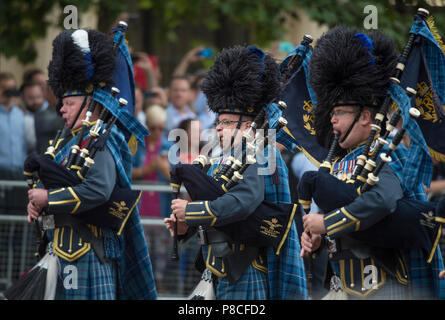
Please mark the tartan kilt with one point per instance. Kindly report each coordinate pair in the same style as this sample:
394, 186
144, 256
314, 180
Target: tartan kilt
287, 276
252, 285
87, 279
285, 280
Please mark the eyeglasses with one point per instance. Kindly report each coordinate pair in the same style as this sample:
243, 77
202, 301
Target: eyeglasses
338, 113
225, 123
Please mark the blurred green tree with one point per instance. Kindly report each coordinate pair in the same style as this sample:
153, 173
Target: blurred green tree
263, 19
394, 17
259, 21
23, 22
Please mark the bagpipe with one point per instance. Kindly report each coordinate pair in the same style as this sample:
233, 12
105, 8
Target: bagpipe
414, 223
53, 175
73, 170
269, 224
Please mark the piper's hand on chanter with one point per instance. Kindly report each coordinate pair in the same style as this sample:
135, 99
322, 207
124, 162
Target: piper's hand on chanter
178, 208
39, 198
170, 225
314, 223
178, 214
33, 212
309, 243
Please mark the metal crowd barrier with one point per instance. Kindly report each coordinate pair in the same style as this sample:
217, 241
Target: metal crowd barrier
174, 279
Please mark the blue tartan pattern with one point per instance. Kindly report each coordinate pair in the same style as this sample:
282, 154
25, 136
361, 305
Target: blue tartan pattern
286, 278
136, 277
130, 123
87, 279
417, 170
136, 280
252, 285
434, 57
418, 167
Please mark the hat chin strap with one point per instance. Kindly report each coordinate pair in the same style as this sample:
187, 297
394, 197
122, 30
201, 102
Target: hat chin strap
84, 102
352, 125
238, 126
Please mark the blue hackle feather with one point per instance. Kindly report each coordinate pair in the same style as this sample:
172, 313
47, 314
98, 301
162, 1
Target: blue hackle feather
260, 54
89, 68
366, 43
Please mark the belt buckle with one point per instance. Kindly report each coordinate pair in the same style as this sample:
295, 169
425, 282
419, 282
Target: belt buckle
335, 284
48, 222
331, 246
202, 237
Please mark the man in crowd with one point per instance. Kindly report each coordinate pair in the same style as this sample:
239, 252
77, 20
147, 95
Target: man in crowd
38, 111
178, 108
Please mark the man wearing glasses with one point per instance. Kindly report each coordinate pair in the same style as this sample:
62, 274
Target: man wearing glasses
241, 82
350, 85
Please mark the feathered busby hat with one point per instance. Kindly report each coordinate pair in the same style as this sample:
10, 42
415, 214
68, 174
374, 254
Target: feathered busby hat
82, 60
241, 81
349, 68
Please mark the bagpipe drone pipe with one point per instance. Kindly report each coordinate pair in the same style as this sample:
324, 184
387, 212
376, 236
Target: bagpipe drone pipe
268, 225
52, 175
75, 168
413, 224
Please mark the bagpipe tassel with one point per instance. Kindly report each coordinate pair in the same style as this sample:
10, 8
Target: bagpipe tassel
39, 283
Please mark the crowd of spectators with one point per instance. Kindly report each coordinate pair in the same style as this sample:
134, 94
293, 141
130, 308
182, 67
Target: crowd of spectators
28, 120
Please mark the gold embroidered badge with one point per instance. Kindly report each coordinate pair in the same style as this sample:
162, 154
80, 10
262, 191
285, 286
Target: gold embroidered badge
271, 230
425, 103
308, 117
119, 210
429, 220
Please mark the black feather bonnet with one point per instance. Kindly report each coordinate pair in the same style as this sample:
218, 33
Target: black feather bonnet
349, 68
82, 60
241, 81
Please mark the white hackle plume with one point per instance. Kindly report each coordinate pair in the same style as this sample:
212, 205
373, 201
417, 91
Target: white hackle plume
80, 38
